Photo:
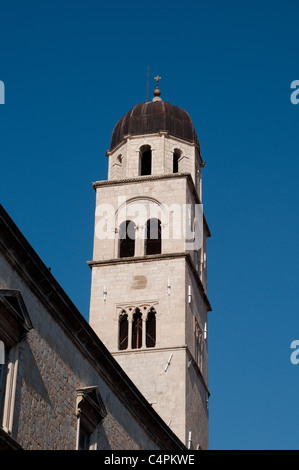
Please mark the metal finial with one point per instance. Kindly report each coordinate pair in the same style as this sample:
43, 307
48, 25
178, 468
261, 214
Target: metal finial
157, 92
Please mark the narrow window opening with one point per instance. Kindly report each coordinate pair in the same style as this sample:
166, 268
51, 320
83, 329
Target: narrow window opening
84, 439
123, 331
198, 345
153, 237
127, 239
176, 157
90, 411
146, 162
137, 330
151, 329
3, 373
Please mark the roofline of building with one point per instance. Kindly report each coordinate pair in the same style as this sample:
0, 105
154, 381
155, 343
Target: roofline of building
7, 442
153, 134
29, 266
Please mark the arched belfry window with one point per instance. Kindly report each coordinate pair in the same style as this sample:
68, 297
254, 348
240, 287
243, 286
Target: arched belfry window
123, 331
137, 326
151, 329
137, 330
145, 160
127, 239
153, 242
175, 161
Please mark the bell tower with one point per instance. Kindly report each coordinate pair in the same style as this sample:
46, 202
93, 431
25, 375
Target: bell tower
149, 302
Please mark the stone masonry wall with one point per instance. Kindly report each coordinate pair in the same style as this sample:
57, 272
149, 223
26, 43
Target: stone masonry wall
50, 370
124, 162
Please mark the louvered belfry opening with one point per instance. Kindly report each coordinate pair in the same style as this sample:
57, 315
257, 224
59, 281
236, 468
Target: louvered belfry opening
137, 330
123, 331
127, 239
151, 329
153, 243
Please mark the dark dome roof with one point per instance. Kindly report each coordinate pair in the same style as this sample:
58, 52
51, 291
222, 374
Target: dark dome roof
152, 117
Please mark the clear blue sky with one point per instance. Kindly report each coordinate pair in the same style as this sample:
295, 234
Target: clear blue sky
72, 69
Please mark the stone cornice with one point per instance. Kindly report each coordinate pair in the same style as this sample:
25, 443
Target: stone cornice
159, 257
160, 133
170, 349
139, 179
14, 318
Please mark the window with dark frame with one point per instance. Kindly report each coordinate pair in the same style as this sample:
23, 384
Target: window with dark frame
145, 161
84, 439
130, 332
151, 329
123, 331
137, 330
127, 239
153, 242
198, 337
176, 157
91, 412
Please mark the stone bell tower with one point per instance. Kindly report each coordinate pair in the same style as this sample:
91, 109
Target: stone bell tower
149, 301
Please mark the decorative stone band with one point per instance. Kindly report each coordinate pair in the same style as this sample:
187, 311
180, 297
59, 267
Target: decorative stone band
142, 259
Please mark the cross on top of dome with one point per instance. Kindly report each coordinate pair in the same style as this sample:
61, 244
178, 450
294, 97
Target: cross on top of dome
157, 91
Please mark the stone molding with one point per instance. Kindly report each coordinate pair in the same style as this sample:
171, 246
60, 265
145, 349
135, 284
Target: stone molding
14, 318
148, 258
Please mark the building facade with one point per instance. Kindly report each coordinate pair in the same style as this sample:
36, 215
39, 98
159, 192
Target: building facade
60, 388
149, 302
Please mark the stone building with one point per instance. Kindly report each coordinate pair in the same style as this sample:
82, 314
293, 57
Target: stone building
136, 376
60, 388
149, 299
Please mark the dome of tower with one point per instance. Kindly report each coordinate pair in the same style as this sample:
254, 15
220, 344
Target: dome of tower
152, 117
